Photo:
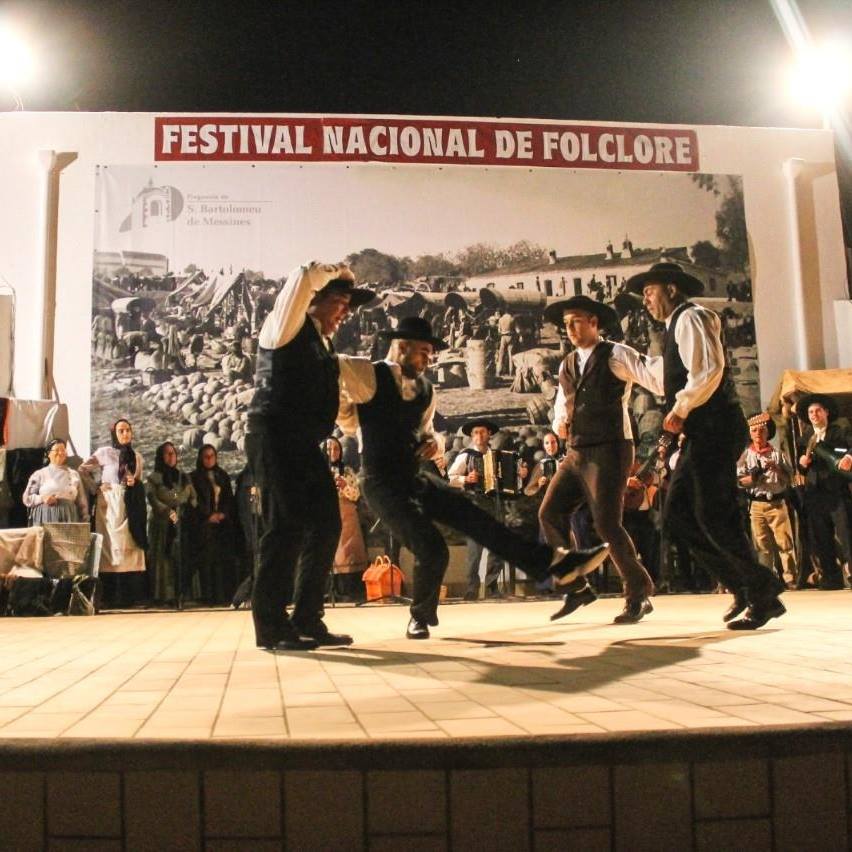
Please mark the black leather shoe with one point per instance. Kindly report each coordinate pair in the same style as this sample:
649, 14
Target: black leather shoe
578, 563
758, 614
634, 611
322, 635
739, 605
471, 595
417, 630
574, 601
287, 639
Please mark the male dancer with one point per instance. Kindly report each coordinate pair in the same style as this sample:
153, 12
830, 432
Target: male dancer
591, 411
293, 409
701, 506
394, 404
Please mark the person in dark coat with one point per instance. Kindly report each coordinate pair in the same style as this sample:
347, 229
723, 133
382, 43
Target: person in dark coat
826, 465
215, 518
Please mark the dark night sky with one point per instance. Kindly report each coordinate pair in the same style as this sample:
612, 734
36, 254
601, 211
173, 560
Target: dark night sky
681, 61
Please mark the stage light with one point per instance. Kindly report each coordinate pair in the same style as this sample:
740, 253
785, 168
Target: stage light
16, 62
822, 77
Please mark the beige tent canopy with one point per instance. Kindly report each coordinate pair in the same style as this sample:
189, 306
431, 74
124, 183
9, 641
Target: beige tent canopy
793, 386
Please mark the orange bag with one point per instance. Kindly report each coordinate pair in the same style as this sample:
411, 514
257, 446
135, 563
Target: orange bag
383, 579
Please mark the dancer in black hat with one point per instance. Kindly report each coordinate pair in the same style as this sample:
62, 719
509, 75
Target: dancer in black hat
293, 409
591, 412
394, 405
701, 506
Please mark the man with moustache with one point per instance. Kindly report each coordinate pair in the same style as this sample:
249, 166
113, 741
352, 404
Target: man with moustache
701, 506
394, 405
764, 473
294, 408
591, 412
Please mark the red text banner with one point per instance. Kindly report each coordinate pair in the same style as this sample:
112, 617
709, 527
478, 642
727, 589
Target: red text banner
440, 141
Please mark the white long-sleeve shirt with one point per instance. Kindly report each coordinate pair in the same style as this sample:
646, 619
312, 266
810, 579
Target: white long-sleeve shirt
626, 364
287, 316
358, 385
698, 335
457, 474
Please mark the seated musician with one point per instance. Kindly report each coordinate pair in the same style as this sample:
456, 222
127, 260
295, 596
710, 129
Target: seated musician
467, 472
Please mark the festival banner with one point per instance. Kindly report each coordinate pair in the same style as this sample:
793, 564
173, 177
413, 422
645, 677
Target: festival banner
434, 141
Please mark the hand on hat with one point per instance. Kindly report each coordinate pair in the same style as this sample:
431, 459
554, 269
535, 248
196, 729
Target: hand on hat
337, 270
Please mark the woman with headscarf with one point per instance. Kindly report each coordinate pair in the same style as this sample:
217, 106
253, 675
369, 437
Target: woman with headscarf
55, 493
120, 515
215, 519
350, 559
169, 490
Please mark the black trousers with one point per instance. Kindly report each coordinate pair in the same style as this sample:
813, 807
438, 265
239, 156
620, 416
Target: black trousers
828, 525
596, 475
701, 510
408, 509
301, 527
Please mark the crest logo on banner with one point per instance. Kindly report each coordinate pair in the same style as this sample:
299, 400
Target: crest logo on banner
153, 205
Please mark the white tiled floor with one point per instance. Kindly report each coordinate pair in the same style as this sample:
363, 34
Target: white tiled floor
490, 669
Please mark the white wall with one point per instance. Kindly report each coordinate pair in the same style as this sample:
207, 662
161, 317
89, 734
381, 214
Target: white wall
120, 138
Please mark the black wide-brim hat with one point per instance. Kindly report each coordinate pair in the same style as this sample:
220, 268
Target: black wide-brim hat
827, 402
414, 328
762, 418
490, 425
666, 273
607, 316
357, 295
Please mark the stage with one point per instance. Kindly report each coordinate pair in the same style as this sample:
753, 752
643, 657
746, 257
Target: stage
501, 706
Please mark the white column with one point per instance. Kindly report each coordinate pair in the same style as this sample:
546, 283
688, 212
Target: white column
45, 301
792, 170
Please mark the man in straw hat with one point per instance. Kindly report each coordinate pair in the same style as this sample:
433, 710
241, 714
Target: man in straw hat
294, 408
465, 473
591, 412
826, 458
765, 475
701, 506
394, 405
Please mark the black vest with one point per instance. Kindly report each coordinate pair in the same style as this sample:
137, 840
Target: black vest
598, 394
296, 387
390, 428
722, 405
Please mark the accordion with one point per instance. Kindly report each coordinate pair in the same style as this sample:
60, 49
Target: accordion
548, 467
500, 473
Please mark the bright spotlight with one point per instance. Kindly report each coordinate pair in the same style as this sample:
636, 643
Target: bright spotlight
16, 62
822, 76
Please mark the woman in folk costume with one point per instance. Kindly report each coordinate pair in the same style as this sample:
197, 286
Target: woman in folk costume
215, 525
350, 560
120, 516
55, 493
169, 490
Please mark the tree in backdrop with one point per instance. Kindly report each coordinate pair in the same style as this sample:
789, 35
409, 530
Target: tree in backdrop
376, 267
433, 264
731, 230
705, 253
479, 258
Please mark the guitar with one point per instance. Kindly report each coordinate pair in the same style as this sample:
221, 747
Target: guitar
634, 494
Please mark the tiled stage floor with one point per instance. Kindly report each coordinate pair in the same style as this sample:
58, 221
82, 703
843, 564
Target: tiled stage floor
491, 669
